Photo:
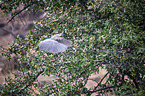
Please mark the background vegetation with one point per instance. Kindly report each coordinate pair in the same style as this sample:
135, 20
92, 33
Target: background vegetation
106, 34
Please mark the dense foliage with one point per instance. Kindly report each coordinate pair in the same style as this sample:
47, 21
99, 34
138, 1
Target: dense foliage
105, 34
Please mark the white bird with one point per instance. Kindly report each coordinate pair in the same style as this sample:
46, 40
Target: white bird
55, 44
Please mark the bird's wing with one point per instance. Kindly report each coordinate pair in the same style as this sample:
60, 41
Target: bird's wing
65, 42
52, 46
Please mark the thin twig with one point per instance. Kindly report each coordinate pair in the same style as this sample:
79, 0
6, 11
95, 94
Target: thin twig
101, 81
9, 32
33, 79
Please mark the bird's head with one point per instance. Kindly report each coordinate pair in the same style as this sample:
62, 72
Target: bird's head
57, 36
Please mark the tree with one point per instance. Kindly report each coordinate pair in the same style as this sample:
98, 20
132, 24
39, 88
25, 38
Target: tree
106, 34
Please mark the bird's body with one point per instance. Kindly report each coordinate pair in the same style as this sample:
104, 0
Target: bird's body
55, 44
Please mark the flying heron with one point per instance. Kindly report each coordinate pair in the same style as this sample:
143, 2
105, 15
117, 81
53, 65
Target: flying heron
55, 44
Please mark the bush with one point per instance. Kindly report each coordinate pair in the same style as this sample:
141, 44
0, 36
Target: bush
105, 34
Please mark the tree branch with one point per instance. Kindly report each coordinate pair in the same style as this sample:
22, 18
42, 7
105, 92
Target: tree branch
90, 92
27, 85
21, 11
135, 82
33, 79
9, 32
101, 81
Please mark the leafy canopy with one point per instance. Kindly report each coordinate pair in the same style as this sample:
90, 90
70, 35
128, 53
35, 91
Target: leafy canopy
105, 34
